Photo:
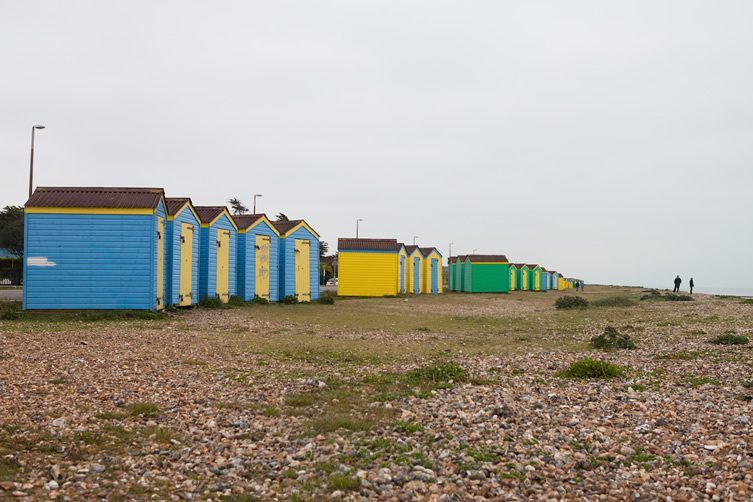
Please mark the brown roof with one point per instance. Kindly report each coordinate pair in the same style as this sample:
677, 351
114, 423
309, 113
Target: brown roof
368, 244
109, 197
208, 213
519, 265
427, 251
531, 266
246, 220
410, 248
487, 258
175, 203
285, 226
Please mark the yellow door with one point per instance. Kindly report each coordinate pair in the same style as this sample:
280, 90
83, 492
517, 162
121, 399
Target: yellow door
223, 265
186, 264
512, 279
302, 272
525, 280
262, 266
537, 281
160, 264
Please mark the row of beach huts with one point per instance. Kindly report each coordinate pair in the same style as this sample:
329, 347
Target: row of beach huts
478, 273
135, 248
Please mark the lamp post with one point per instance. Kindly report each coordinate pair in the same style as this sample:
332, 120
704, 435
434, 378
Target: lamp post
31, 161
450, 255
255, 196
358, 220
474, 250
414, 239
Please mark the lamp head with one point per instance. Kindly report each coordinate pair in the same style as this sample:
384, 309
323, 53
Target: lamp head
39, 126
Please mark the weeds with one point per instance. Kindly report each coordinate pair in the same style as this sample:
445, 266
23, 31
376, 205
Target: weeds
140, 409
657, 296
326, 298
571, 302
290, 300
260, 300
612, 339
613, 301
593, 369
729, 339
209, 302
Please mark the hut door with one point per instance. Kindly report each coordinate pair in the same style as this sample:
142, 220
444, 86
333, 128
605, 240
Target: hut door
537, 284
524, 280
261, 284
223, 264
416, 275
402, 274
186, 264
434, 277
160, 295
512, 279
302, 271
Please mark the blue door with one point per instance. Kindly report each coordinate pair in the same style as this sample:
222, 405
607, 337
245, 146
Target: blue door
434, 288
416, 275
402, 274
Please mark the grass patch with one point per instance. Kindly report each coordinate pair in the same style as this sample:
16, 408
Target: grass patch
140, 409
747, 301
612, 339
657, 296
680, 355
697, 381
571, 302
209, 302
439, 373
302, 400
613, 301
343, 482
593, 369
729, 339
408, 427
8, 468
336, 421
326, 298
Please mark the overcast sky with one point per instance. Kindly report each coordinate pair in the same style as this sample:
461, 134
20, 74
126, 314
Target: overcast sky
612, 141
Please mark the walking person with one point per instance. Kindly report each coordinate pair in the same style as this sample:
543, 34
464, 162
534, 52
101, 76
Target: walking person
678, 281
692, 285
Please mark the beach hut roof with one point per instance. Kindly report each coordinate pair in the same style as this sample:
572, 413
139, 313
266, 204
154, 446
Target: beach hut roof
285, 227
487, 258
246, 220
174, 204
207, 214
410, 248
369, 244
109, 197
428, 251
531, 266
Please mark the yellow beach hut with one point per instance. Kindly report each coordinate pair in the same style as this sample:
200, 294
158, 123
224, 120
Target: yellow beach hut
432, 271
370, 267
415, 270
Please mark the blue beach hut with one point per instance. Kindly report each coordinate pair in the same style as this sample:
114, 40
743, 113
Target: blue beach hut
94, 248
258, 257
182, 270
217, 252
545, 279
299, 260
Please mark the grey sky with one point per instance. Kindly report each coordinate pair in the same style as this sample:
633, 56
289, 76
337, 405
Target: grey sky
609, 140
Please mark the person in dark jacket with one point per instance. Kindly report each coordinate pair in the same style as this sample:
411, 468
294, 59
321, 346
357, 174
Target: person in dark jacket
678, 281
692, 285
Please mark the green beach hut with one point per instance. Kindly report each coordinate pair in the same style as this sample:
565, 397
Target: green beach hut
534, 277
487, 273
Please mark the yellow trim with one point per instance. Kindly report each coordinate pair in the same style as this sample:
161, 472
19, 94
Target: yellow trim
226, 213
190, 206
88, 210
260, 220
301, 224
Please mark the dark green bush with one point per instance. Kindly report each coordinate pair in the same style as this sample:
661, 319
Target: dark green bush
210, 303
235, 301
729, 339
612, 339
8, 314
260, 300
326, 298
747, 301
613, 301
593, 369
443, 372
571, 302
290, 300
657, 296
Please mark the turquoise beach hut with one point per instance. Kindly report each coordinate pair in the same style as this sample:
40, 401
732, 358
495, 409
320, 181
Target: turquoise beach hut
182, 270
258, 257
94, 248
218, 253
299, 260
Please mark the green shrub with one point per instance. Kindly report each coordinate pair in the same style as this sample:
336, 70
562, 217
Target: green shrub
613, 301
657, 296
210, 303
443, 372
571, 302
612, 339
236, 301
8, 314
729, 339
326, 298
260, 300
593, 369
290, 300
747, 301
142, 409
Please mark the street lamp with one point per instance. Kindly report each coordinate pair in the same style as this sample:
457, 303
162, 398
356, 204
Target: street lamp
450, 255
255, 196
357, 221
474, 250
31, 162
414, 239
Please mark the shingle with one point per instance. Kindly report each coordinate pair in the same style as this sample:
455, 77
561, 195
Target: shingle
284, 226
487, 258
101, 197
368, 244
246, 220
207, 214
175, 203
